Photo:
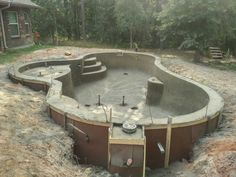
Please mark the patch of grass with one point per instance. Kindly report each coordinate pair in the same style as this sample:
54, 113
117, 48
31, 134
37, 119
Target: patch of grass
225, 66
11, 55
88, 44
232, 66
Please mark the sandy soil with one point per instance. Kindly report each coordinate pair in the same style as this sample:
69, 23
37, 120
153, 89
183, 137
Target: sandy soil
32, 145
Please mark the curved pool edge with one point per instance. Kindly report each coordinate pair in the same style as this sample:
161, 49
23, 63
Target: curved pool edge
63, 110
209, 111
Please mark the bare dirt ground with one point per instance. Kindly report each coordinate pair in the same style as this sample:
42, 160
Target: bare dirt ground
32, 145
214, 155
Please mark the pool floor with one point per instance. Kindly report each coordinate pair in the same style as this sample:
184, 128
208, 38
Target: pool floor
118, 83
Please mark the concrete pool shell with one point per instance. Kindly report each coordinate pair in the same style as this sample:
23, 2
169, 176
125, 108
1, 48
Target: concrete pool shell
189, 109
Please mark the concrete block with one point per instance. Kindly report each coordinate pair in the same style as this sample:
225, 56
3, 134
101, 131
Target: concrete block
154, 91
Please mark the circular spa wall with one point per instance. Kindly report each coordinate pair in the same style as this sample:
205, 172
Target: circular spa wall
124, 110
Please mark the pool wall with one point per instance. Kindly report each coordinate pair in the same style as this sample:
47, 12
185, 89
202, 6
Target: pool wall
198, 106
176, 89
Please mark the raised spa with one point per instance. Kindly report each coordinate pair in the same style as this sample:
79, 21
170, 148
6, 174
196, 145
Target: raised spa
124, 110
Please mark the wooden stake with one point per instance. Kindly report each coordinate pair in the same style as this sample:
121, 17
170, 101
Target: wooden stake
168, 142
144, 152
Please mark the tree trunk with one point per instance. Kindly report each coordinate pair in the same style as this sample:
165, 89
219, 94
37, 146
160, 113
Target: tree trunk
68, 22
77, 21
53, 37
69, 34
56, 31
1, 41
234, 48
197, 56
83, 19
131, 37
76, 25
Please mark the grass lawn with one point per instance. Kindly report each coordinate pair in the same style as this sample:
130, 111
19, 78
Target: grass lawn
223, 66
88, 44
11, 55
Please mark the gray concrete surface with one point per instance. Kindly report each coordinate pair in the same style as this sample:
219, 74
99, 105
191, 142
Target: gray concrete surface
154, 91
130, 83
60, 72
187, 101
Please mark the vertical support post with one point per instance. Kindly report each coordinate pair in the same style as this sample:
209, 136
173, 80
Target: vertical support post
109, 151
110, 115
219, 118
65, 121
49, 111
123, 101
168, 142
51, 80
44, 87
144, 152
99, 100
208, 121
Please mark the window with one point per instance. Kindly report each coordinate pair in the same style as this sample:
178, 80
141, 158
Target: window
27, 23
13, 24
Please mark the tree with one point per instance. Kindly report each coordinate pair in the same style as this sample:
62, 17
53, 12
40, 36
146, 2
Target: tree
83, 19
46, 26
194, 24
198, 24
130, 16
101, 21
57, 18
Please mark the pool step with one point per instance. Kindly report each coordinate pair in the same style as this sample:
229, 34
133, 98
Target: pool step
90, 61
95, 67
94, 74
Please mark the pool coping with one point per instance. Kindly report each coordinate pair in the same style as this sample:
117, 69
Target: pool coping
56, 100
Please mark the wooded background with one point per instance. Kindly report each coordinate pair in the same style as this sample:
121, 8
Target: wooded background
184, 24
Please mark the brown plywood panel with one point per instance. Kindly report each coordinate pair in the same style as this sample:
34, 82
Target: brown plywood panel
121, 153
94, 151
57, 117
198, 131
127, 172
15, 81
181, 143
34, 86
154, 158
212, 124
46, 88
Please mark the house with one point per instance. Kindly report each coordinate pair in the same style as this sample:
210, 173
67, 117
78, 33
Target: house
15, 23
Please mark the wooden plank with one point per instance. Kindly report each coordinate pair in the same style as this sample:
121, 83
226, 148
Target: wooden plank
144, 153
168, 142
127, 141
